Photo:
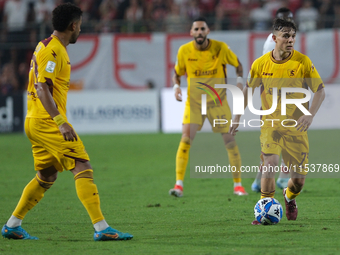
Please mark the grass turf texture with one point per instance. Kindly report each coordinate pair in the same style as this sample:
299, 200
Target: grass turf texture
134, 173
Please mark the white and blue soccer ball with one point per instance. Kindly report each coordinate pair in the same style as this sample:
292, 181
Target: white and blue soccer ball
268, 211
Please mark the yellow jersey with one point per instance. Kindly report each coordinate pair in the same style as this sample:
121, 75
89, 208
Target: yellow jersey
50, 64
296, 71
208, 66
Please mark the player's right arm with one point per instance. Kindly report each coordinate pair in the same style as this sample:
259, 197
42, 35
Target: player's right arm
180, 70
46, 62
47, 101
176, 79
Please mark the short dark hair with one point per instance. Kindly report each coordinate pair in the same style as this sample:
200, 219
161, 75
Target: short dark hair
284, 13
281, 10
279, 24
63, 15
200, 19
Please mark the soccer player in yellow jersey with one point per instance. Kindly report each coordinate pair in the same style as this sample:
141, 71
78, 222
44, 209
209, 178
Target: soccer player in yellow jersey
205, 59
55, 144
269, 45
284, 132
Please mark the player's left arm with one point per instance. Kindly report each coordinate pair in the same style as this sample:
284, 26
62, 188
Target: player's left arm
314, 82
304, 122
232, 59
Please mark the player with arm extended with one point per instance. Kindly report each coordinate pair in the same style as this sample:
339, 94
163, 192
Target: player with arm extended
282, 68
55, 144
206, 59
269, 45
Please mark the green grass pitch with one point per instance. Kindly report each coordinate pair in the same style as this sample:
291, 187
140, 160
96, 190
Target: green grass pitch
134, 172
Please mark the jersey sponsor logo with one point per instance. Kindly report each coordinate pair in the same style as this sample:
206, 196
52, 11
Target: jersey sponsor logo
206, 72
192, 59
50, 66
267, 74
291, 72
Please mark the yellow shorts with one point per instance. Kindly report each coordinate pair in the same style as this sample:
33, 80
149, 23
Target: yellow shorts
294, 148
192, 115
49, 147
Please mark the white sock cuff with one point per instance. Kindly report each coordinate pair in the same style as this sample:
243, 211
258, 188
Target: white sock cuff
101, 225
13, 222
179, 182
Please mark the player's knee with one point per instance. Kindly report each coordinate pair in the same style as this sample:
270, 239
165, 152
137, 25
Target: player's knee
84, 174
230, 144
186, 139
298, 183
46, 183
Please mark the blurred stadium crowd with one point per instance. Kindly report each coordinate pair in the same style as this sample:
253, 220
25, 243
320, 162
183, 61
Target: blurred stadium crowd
25, 22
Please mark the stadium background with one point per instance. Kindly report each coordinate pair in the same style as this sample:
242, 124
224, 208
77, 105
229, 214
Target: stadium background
122, 104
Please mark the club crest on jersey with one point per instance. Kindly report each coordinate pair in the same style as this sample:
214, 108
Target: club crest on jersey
291, 72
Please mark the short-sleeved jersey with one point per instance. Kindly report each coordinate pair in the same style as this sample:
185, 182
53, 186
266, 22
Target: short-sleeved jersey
206, 64
295, 71
50, 64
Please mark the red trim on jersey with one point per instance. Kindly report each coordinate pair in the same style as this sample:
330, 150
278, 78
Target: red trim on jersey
49, 82
76, 159
225, 74
46, 41
321, 86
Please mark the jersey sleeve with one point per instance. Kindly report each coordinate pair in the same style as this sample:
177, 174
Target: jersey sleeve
254, 79
230, 57
48, 66
312, 77
180, 68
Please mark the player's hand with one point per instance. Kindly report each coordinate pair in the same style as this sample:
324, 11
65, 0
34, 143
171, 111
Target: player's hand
233, 128
68, 132
178, 94
304, 123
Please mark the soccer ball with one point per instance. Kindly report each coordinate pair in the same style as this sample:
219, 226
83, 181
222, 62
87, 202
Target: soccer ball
268, 211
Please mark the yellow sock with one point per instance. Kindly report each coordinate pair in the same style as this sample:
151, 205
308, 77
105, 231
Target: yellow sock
88, 194
290, 194
267, 194
235, 160
182, 158
32, 194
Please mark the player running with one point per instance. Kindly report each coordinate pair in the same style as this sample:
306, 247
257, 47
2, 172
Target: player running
284, 67
269, 45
